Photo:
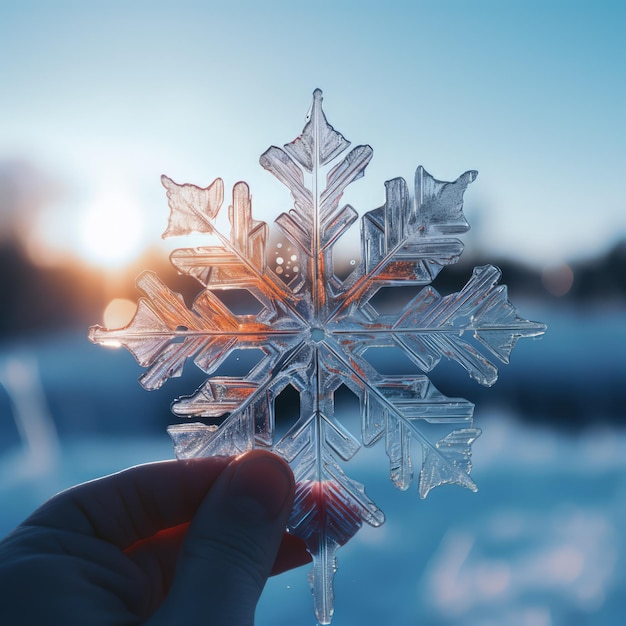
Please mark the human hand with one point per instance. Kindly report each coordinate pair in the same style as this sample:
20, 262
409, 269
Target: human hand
176, 542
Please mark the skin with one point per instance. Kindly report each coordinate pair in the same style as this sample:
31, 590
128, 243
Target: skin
176, 542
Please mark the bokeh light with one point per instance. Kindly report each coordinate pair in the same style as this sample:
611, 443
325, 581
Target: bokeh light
557, 279
118, 313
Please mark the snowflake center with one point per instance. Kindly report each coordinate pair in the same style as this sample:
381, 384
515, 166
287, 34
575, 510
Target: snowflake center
317, 335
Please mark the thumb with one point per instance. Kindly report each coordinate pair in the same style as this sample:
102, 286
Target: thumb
231, 544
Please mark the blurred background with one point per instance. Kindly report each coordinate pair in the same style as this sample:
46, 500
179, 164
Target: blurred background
99, 99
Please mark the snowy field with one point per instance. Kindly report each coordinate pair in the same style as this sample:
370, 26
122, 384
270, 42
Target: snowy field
541, 543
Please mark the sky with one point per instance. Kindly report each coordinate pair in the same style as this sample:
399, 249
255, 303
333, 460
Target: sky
104, 97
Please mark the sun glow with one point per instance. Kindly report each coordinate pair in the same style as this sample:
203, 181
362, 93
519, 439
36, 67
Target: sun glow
110, 232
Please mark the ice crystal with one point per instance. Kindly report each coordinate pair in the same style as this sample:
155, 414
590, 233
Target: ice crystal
314, 327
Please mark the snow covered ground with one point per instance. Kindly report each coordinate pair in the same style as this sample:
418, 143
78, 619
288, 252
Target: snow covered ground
540, 544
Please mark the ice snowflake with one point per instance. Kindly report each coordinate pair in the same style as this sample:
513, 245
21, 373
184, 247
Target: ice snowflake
314, 328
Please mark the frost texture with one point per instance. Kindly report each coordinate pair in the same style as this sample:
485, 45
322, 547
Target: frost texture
314, 329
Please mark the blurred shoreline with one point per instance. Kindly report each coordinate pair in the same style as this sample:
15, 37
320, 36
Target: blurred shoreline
572, 378
49, 299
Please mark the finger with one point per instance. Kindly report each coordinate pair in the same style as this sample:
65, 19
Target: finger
134, 504
156, 556
231, 544
292, 553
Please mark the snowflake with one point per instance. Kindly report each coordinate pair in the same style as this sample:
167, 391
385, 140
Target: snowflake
314, 329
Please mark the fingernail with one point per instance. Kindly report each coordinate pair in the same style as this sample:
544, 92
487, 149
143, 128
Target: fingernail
260, 486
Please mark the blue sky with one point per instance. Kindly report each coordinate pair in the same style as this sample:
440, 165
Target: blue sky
107, 96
